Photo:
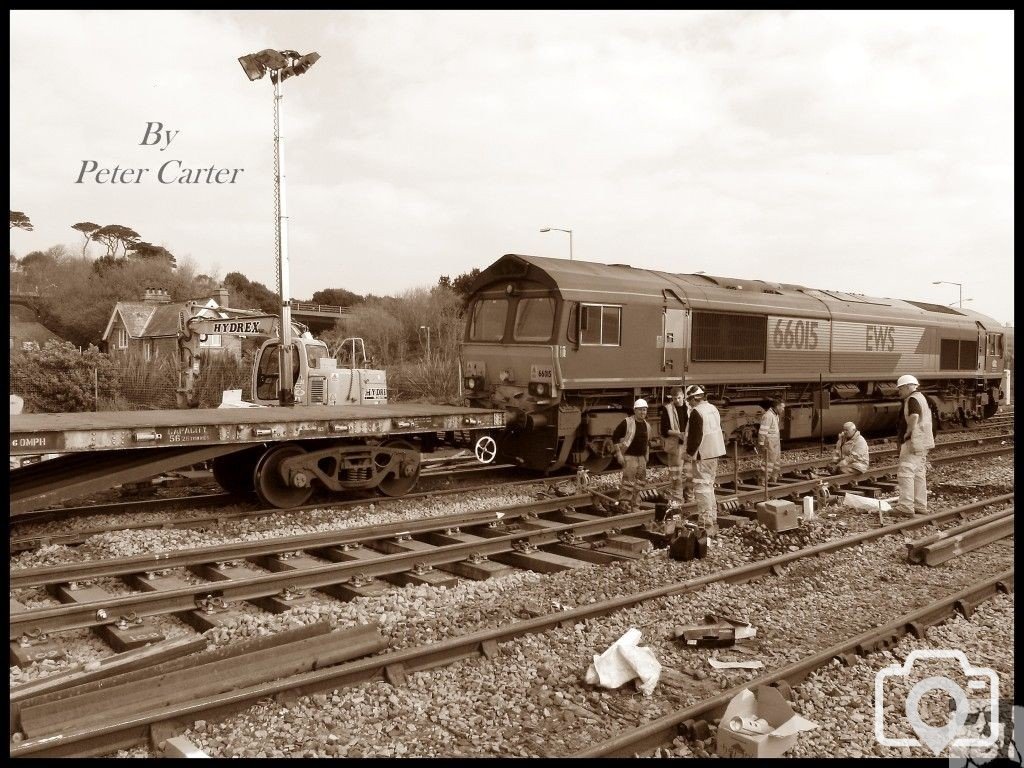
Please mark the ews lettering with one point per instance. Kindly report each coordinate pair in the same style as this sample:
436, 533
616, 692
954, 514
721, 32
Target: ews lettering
880, 338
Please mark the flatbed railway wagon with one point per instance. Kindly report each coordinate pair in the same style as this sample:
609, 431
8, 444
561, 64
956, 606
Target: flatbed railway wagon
281, 453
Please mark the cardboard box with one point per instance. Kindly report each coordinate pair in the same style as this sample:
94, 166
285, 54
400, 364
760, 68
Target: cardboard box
778, 515
766, 703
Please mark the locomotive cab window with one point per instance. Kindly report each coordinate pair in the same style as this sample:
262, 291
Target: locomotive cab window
600, 325
535, 319
995, 344
488, 322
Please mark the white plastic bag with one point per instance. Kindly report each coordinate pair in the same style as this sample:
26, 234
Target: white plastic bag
624, 661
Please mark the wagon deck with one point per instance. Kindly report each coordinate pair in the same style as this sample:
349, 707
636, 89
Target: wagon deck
119, 430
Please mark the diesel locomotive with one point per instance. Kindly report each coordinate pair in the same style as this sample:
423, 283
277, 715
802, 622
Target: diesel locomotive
565, 347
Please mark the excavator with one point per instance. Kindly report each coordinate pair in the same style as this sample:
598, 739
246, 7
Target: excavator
317, 378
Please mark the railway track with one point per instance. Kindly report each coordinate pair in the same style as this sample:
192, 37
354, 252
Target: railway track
395, 666
25, 542
547, 535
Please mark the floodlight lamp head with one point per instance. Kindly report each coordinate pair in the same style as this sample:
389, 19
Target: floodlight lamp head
300, 66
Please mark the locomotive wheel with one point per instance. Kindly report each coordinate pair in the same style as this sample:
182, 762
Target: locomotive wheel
233, 472
271, 487
596, 464
396, 484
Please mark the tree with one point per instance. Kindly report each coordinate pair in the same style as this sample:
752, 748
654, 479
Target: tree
251, 295
147, 251
20, 221
336, 297
86, 228
461, 284
114, 236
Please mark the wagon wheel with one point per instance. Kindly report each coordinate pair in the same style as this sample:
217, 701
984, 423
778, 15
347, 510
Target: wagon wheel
271, 486
403, 480
233, 472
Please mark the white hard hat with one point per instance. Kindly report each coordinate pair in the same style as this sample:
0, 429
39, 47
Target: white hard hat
907, 379
641, 403
694, 391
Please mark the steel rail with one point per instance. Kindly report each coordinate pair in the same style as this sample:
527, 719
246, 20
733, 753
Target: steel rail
394, 665
957, 544
665, 729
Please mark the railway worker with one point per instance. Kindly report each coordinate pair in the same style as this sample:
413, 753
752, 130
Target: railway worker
673, 429
914, 429
632, 449
769, 437
851, 454
704, 444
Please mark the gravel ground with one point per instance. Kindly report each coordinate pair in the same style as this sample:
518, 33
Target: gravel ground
521, 703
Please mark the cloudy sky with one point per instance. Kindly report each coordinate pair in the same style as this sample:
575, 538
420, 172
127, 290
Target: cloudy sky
862, 151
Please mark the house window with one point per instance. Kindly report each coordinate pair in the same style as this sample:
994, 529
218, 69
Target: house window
147, 349
211, 340
122, 338
600, 325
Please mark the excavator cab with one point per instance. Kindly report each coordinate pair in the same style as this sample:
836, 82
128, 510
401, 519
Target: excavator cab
317, 378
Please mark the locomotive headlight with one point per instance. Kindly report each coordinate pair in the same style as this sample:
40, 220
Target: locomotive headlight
539, 389
470, 382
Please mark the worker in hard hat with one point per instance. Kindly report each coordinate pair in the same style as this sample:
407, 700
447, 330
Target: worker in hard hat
705, 443
851, 453
632, 449
769, 439
914, 431
674, 416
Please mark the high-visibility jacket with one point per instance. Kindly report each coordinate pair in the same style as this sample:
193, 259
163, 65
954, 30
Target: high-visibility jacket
704, 437
854, 450
922, 438
769, 431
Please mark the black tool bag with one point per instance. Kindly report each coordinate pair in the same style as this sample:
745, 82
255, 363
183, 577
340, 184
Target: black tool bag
688, 544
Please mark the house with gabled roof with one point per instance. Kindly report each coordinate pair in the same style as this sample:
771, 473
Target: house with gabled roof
149, 328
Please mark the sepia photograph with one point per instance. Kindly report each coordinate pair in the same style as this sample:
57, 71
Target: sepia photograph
512, 384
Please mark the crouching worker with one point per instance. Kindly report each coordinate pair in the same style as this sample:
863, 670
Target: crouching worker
632, 448
851, 454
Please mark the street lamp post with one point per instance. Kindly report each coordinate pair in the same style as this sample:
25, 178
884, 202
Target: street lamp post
960, 286
281, 65
427, 329
557, 229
